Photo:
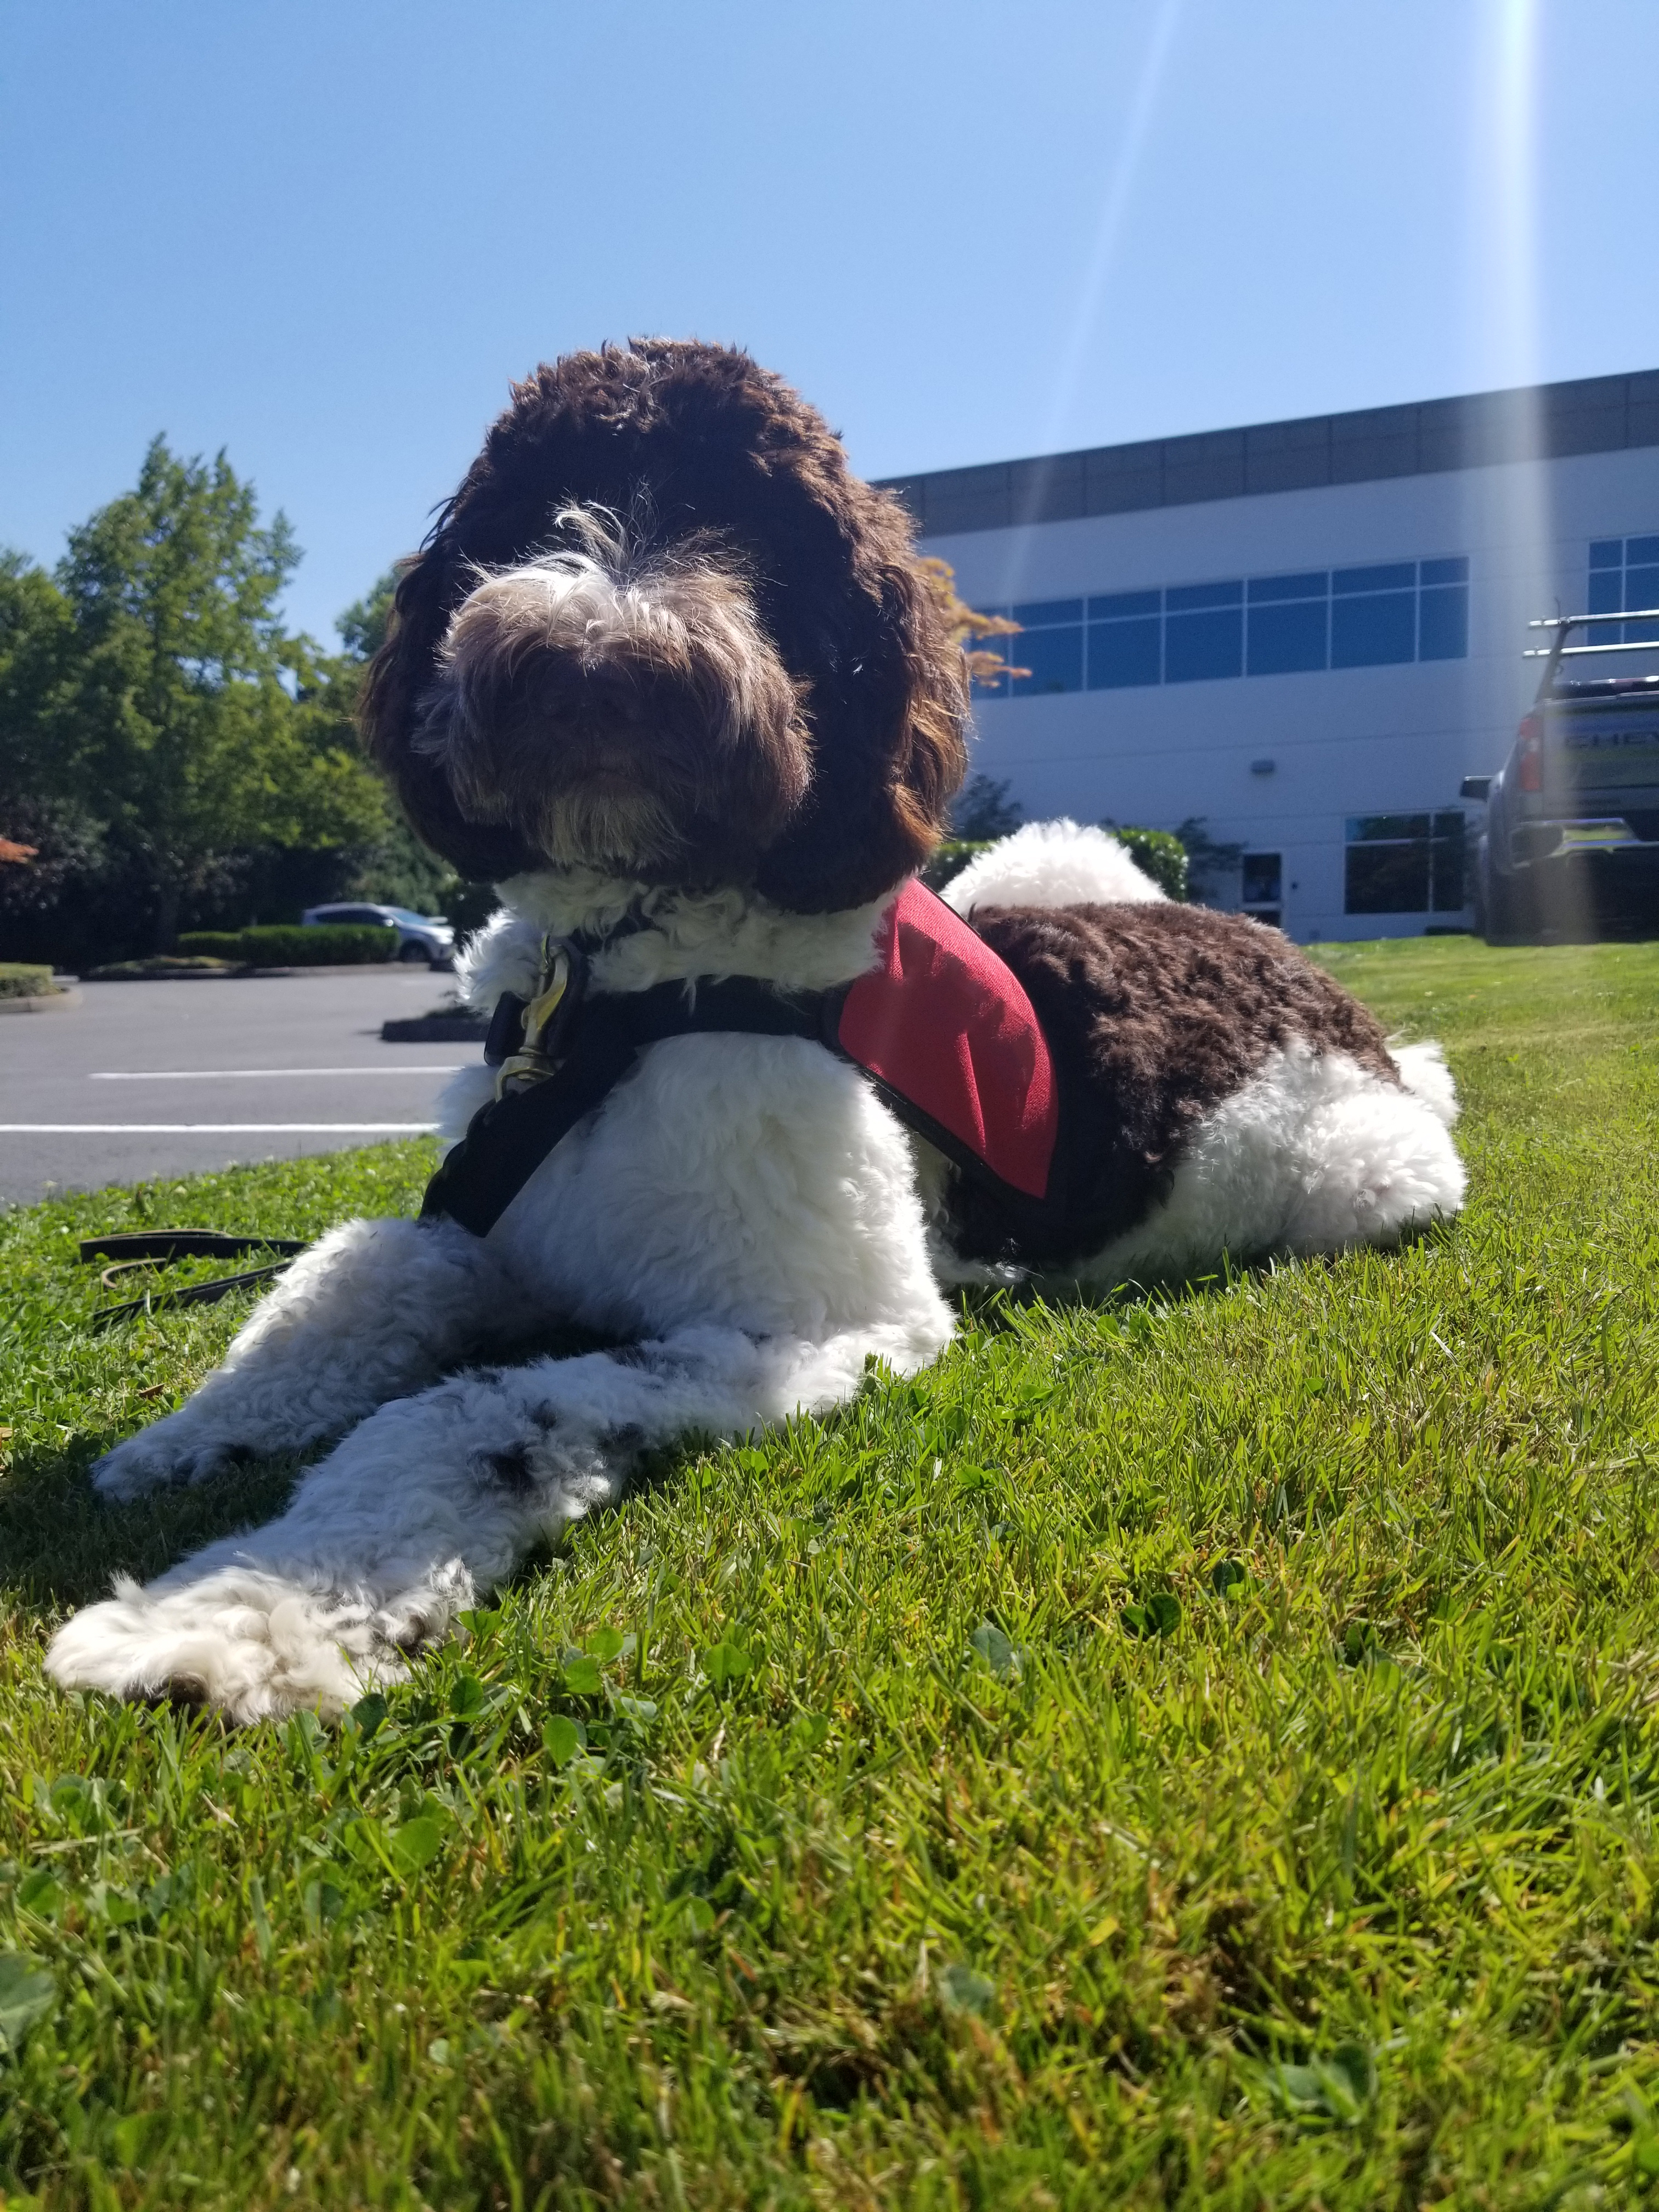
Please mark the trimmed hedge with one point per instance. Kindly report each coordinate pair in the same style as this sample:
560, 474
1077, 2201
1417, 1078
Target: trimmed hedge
156, 966
213, 944
1159, 854
22, 979
279, 944
950, 858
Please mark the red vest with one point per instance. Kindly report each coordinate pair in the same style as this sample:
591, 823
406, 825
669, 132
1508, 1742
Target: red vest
946, 1024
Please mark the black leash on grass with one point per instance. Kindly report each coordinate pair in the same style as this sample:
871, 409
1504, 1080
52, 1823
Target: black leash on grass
131, 1249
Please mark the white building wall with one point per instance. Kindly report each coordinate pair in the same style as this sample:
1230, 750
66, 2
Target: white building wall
1343, 741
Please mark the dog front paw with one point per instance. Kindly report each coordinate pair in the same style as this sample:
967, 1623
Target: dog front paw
252, 1644
160, 1458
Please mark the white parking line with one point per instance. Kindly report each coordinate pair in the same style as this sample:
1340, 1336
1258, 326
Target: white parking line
214, 1128
223, 1074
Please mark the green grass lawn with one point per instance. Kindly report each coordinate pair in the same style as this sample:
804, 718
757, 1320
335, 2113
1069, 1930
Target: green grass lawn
1202, 1751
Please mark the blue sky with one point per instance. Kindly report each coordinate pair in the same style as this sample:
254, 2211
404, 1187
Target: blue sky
324, 234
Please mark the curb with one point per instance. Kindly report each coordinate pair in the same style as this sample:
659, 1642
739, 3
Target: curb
230, 974
333, 968
436, 1029
51, 1004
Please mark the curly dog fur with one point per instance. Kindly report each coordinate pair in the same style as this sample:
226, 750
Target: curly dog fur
673, 676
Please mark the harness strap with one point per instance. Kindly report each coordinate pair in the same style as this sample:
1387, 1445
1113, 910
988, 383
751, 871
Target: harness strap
939, 1026
508, 1139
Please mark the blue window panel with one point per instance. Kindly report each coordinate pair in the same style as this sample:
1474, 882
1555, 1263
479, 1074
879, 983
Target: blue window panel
1442, 631
1606, 591
1055, 657
1289, 637
1044, 614
1641, 590
1371, 632
1314, 587
1124, 652
1182, 596
1199, 647
1125, 603
1640, 550
1444, 572
1607, 553
1398, 575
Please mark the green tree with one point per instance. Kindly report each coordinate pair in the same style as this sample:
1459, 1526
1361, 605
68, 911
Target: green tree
37, 653
982, 810
362, 626
400, 869
185, 717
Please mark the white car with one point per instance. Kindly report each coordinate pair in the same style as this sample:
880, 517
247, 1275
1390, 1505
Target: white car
426, 937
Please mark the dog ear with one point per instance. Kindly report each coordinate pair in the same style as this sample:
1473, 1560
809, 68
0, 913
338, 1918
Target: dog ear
388, 713
889, 719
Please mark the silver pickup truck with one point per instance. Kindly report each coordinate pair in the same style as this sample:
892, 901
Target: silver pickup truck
1572, 839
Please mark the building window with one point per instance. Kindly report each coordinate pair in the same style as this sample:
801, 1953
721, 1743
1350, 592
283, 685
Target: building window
1624, 572
1125, 640
1203, 632
1261, 877
1289, 625
1403, 610
1374, 616
1404, 864
1050, 646
1443, 610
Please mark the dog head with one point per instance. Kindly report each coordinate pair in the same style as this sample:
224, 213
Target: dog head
662, 630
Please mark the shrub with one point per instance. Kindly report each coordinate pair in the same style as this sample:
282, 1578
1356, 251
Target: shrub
156, 963
215, 944
280, 945
1159, 854
466, 908
22, 979
344, 944
950, 858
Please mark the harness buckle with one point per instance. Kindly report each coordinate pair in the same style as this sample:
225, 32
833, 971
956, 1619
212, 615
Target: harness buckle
546, 1020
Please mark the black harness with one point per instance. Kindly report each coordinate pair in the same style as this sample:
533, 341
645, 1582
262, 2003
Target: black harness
559, 1056
590, 1043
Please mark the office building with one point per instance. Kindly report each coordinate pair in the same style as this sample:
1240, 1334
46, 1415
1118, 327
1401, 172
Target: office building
1303, 634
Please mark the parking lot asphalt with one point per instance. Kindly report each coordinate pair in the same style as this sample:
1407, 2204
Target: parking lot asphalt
168, 1078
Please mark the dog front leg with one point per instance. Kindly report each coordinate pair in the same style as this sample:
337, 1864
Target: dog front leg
431, 1501
373, 1310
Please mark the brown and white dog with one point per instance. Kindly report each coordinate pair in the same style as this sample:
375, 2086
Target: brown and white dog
672, 675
